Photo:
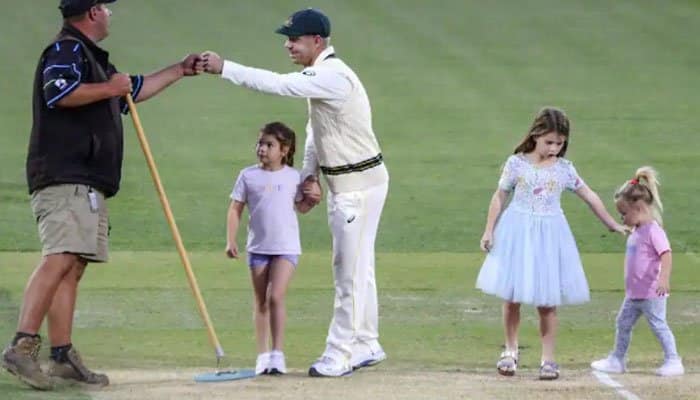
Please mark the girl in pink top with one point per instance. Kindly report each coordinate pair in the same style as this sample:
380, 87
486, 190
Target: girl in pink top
647, 273
270, 189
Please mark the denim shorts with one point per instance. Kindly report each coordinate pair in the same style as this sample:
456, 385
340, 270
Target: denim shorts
261, 260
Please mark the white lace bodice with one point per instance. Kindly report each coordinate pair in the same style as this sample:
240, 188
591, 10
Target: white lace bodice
537, 190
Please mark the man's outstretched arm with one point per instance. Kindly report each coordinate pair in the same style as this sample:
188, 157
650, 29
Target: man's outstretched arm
155, 82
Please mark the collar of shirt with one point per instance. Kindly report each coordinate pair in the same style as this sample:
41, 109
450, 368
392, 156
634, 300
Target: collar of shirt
101, 55
324, 54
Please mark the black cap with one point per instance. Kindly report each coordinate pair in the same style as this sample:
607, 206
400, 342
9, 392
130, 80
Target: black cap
309, 21
71, 8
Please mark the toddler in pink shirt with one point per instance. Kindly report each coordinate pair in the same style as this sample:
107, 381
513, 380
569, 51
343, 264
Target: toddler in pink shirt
647, 274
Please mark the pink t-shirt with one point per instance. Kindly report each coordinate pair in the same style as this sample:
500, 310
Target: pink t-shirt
273, 227
643, 260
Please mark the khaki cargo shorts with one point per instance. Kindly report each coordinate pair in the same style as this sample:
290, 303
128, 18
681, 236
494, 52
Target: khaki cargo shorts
72, 218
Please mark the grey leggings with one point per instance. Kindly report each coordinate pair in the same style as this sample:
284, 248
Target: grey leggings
655, 312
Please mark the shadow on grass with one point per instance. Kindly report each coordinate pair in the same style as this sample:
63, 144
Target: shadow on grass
11, 388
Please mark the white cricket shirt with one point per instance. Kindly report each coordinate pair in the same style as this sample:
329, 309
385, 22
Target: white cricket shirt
339, 131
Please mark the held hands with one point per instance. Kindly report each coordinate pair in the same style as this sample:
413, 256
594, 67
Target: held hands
486, 243
232, 250
309, 194
622, 229
311, 189
209, 62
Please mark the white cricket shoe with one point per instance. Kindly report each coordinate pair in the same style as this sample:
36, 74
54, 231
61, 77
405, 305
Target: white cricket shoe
673, 367
277, 365
610, 364
365, 357
330, 367
262, 364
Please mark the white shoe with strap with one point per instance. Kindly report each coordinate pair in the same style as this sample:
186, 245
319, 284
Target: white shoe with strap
508, 363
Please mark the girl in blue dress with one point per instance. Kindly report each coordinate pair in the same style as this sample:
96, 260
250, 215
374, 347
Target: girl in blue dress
531, 253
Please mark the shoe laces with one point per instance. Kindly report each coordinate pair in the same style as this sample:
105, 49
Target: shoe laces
333, 363
35, 353
30, 346
327, 360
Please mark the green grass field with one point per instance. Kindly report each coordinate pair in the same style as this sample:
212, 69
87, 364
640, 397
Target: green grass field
453, 89
137, 313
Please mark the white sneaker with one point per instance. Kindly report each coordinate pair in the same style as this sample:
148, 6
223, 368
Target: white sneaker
277, 365
330, 367
365, 357
262, 364
610, 364
673, 367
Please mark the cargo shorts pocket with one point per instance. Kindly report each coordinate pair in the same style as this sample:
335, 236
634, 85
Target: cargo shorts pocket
65, 220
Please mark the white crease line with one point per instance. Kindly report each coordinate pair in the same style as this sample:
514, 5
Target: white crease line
606, 380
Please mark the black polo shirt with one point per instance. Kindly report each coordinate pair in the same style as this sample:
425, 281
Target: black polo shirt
64, 67
75, 145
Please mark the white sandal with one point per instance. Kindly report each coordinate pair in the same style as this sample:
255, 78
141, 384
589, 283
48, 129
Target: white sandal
508, 363
549, 371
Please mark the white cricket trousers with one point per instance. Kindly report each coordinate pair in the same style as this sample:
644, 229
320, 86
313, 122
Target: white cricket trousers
353, 218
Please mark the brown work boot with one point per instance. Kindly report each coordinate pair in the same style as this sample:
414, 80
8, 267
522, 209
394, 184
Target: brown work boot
74, 369
21, 360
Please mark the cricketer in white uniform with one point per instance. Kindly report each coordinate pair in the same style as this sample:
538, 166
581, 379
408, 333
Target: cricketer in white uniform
341, 144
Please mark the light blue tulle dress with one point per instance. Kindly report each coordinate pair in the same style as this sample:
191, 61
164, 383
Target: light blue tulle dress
534, 258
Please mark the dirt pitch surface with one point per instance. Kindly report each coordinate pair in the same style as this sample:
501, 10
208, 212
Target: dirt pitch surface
380, 383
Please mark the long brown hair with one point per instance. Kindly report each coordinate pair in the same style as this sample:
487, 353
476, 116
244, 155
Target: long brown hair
643, 187
285, 135
549, 119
